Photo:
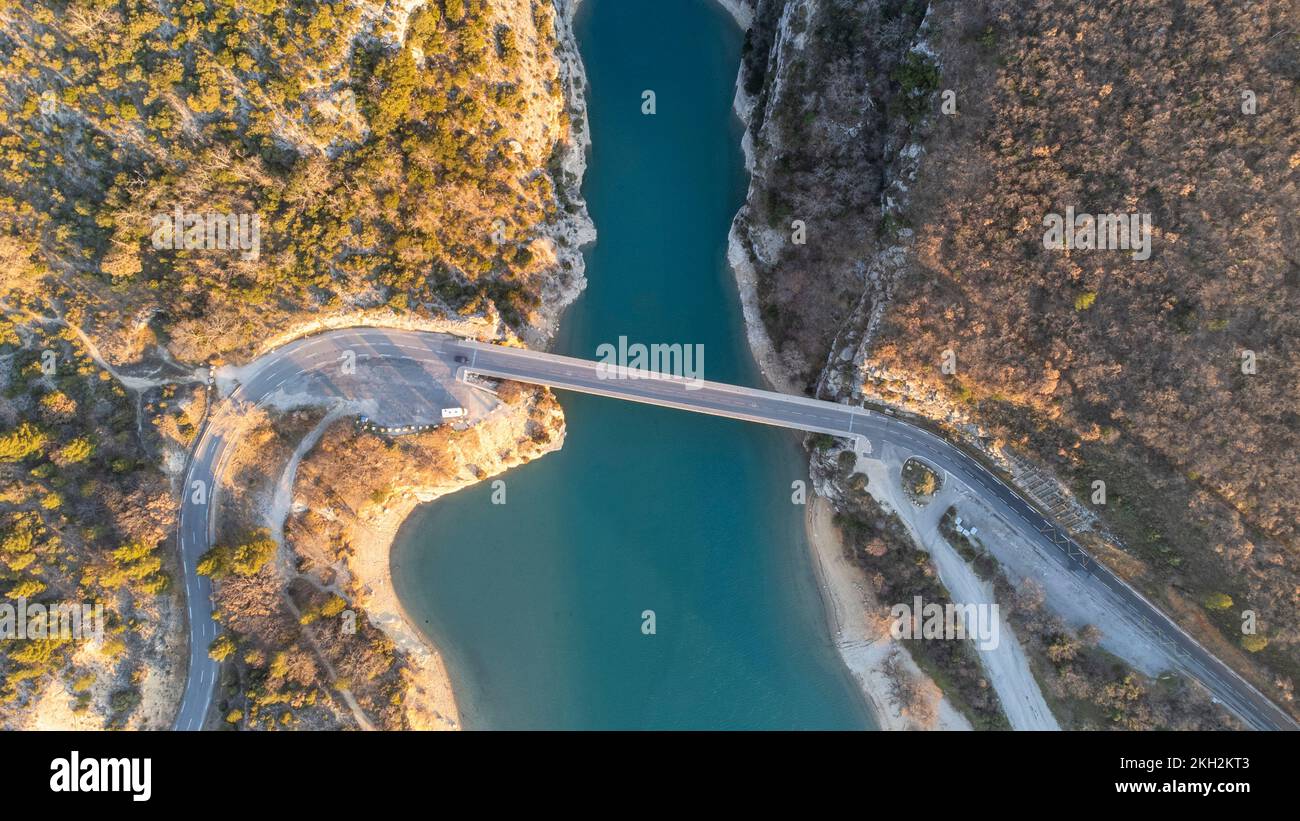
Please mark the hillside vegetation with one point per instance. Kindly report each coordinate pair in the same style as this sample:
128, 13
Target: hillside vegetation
394, 157
824, 129
1172, 379
411, 159
84, 519
1106, 367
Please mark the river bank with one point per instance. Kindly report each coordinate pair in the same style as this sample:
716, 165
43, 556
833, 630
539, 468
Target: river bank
876, 661
431, 698
371, 563
344, 529
505, 441
678, 513
881, 667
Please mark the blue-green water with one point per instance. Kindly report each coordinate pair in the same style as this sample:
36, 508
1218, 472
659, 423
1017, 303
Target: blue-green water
538, 604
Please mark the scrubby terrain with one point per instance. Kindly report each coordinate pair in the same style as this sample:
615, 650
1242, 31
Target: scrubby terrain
85, 519
396, 154
924, 282
1101, 366
313, 635
404, 162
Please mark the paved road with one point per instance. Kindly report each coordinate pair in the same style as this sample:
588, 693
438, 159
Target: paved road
394, 385
435, 354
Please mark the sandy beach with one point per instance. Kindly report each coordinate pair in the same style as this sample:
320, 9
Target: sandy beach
875, 660
866, 646
431, 700
870, 654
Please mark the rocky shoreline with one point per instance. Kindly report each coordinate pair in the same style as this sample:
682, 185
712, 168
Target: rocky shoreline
575, 229
871, 655
434, 704
431, 696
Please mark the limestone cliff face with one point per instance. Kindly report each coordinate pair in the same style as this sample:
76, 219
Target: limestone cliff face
571, 227
815, 245
829, 93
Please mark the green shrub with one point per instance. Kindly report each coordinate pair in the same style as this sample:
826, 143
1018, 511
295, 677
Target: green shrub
1218, 601
221, 648
24, 441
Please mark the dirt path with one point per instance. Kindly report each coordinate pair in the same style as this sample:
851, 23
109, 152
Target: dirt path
1005, 664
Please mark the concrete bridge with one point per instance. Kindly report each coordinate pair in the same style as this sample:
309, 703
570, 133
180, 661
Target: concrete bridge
428, 361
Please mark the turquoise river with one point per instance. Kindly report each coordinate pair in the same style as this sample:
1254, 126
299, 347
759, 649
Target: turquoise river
537, 604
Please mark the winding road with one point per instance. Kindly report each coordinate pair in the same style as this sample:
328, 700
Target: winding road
423, 374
